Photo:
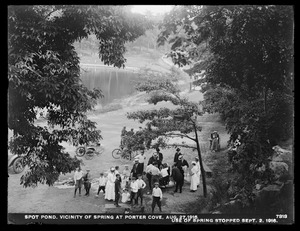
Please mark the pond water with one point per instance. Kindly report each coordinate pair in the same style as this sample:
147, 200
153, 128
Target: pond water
114, 83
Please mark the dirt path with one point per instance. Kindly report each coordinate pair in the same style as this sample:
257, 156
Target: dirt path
45, 199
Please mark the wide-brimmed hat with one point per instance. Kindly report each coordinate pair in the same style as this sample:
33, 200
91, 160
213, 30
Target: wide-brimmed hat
112, 169
177, 149
180, 156
194, 162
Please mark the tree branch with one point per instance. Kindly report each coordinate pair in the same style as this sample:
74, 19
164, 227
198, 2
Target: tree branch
180, 135
180, 145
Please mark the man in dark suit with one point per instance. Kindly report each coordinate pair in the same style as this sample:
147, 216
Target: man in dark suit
181, 163
178, 178
176, 155
154, 159
136, 168
160, 155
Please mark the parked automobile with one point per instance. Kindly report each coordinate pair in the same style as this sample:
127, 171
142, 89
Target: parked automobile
16, 162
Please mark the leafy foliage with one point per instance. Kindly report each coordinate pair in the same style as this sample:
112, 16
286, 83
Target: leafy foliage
44, 72
247, 55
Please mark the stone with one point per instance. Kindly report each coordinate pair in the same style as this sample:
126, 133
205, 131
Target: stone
282, 155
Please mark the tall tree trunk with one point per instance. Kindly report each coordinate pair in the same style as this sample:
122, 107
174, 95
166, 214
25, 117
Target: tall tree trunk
201, 164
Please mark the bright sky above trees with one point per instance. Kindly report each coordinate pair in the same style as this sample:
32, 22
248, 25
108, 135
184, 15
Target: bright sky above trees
154, 9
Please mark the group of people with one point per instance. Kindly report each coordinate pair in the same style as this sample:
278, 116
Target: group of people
130, 185
82, 178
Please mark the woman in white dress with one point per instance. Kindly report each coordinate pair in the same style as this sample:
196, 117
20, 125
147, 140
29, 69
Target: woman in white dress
110, 185
199, 170
194, 177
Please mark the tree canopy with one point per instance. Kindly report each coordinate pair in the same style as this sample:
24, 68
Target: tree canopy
247, 55
44, 72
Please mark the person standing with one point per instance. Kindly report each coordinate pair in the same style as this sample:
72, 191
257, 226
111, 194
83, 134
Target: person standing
156, 197
141, 186
149, 176
160, 155
87, 182
165, 176
194, 177
118, 190
199, 170
154, 159
141, 157
177, 155
215, 144
134, 189
181, 164
155, 174
110, 185
131, 132
178, 178
117, 170
136, 168
123, 135
78, 180
126, 173
102, 183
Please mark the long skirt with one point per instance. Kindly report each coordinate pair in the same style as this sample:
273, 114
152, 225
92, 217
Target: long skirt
198, 178
110, 191
215, 145
194, 182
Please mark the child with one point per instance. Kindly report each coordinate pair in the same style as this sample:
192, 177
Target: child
117, 189
141, 186
157, 196
102, 183
126, 173
125, 196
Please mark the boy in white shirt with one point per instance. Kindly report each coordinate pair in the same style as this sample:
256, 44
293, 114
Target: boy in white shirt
102, 183
156, 196
141, 186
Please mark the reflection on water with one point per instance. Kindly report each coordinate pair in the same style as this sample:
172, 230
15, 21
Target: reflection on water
114, 83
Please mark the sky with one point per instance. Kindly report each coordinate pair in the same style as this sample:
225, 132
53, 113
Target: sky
154, 9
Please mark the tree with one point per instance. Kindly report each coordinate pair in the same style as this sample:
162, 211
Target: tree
248, 74
166, 123
44, 72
